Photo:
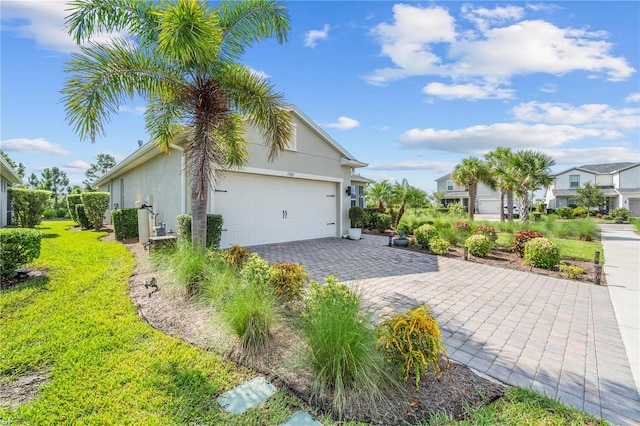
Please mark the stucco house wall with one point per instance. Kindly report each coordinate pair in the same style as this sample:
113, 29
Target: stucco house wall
487, 200
8, 178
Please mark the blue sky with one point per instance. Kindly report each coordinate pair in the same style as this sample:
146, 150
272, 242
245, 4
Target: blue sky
410, 88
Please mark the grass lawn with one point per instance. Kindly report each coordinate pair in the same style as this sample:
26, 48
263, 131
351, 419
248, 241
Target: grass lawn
106, 366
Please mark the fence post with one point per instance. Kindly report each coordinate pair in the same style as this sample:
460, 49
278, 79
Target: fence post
596, 258
598, 269
466, 253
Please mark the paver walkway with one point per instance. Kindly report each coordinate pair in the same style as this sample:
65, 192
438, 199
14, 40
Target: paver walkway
557, 336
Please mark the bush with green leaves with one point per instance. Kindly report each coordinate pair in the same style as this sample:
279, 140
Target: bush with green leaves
342, 354
49, 214
521, 238
542, 252
256, 270
439, 245
412, 342
564, 212
620, 214
487, 231
81, 217
288, 280
236, 255
572, 272
425, 233
125, 223
61, 213
580, 212
461, 227
18, 247
478, 245
95, 205
214, 228
29, 205
357, 216
456, 209
72, 201
383, 221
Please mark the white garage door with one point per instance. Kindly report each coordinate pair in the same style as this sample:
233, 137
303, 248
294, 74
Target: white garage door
489, 206
634, 207
259, 209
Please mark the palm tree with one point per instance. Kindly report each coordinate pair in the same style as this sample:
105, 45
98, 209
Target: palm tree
406, 195
183, 60
379, 193
469, 173
498, 161
531, 170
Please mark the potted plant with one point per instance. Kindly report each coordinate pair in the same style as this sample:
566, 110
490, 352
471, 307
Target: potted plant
357, 217
401, 240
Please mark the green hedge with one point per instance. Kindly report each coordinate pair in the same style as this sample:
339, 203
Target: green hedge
29, 205
83, 220
17, 247
125, 223
72, 201
214, 228
95, 205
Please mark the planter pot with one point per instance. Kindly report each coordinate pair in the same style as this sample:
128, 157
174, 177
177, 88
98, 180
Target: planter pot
355, 233
401, 243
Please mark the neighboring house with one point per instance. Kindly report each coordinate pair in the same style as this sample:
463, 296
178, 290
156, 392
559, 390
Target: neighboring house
305, 193
487, 200
619, 182
8, 177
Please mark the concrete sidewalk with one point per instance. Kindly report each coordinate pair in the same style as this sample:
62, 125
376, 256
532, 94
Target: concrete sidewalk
621, 247
557, 336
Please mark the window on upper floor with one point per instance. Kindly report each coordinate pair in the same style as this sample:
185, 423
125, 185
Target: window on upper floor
574, 181
449, 185
293, 143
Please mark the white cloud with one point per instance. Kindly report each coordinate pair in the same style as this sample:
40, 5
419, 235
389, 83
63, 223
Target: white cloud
41, 21
311, 37
633, 97
549, 88
579, 156
259, 73
37, 145
136, 110
467, 91
75, 167
483, 138
590, 115
344, 123
437, 166
483, 18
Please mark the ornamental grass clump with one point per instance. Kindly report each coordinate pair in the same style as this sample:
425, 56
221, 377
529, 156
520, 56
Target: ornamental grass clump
424, 234
585, 229
191, 268
478, 245
412, 342
542, 252
438, 245
342, 350
521, 238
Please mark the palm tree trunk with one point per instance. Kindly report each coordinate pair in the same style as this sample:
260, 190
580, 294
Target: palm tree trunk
501, 206
510, 203
400, 214
198, 213
524, 207
473, 188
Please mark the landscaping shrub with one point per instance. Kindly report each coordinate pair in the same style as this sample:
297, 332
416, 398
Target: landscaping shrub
456, 209
125, 223
478, 245
95, 205
571, 271
72, 201
520, 240
636, 223
409, 223
371, 217
487, 231
191, 267
580, 212
564, 212
412, 342
544, 253
383, 221
424, 234
18, 247
49, 214
256, 270
438, 245
620, 214
342, 351
586, 229
461, 227
236, 255
250, 310
288, 280
61, 213
357, 216
83, 220
29, 205
214, 228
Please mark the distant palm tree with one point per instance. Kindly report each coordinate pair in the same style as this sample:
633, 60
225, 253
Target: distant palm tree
469, 173
380, 193
498, 162
406, 195
182, 59
531, 170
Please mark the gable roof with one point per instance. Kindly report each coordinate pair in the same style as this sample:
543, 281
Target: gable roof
606, 168
7, 172
149, 150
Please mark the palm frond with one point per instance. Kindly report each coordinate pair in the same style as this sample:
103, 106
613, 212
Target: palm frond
231, 132
106, 75
255, 98
163, 118
89, 17
245, 22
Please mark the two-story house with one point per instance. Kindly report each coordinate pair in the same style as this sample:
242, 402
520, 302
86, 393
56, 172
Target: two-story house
487, 200
619, 183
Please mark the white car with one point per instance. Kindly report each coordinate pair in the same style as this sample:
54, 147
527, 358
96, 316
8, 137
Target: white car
516, 211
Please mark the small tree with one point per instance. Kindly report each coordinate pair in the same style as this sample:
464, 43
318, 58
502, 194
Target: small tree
589, 196
54, 180
95, 204
72, 201
105, 162
29, 205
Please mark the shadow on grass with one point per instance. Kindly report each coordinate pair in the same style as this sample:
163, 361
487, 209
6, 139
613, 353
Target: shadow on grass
50, 235
32, 282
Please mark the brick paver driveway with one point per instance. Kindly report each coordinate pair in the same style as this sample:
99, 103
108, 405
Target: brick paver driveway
557, 336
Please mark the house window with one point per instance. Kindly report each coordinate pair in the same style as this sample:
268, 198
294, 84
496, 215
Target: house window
574, 181
122, 193
449, 185
357, 193
4, 186
292, 145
